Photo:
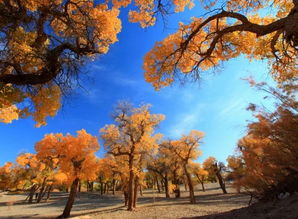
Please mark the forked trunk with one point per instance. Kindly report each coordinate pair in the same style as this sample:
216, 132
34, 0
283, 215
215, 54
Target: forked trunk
42, 190
71, 198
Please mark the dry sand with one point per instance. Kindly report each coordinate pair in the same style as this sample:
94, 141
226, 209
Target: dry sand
151, 205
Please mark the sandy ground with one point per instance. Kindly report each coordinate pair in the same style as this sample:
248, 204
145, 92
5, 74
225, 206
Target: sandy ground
151, 205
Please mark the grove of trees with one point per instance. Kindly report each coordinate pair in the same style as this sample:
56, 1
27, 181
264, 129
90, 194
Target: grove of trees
44, 45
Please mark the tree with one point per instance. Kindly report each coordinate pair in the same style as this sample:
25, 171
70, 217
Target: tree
200, 173
269, 149
215, 168
37, 174
76, 159
131, 137
45, 43
233, 28
186, 149
160, 166
237, 168
6, 176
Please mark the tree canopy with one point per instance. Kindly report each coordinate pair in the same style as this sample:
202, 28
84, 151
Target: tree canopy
235, 28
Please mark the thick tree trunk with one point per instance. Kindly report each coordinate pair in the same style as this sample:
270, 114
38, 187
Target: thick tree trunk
130, 185
166, 183
135, 192
221, 182
71, 198
190, 186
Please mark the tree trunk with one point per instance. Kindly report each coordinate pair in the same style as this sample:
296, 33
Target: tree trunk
202, 182
41, 193
141, 190
32, 192
190, 186
91, 186
130, 184
176, 183
80, 186
49, 192
221, 182
105, 189
185, 185
135, 193
203, 187
101, 186
71, 198
114, 186
166, 183
157, 184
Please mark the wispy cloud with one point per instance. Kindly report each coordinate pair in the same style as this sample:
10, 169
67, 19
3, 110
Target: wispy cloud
232, 107
187, 121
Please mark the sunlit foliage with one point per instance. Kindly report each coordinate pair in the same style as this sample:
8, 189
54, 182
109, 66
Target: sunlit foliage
232, 28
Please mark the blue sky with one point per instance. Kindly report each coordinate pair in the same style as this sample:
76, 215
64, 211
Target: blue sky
215, 106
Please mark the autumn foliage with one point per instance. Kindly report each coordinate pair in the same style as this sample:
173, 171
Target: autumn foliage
267, 164
231, 29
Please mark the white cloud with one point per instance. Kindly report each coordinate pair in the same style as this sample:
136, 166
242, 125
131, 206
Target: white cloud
233, 106
185, 122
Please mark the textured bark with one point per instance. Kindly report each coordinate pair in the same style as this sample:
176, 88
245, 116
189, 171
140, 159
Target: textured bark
71, 198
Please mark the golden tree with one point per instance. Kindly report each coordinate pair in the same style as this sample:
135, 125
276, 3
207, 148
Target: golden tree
200, 173
131, 137
216, 168
44, 44
269, 150
75, 157
38, 174
186, 149
232, 28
